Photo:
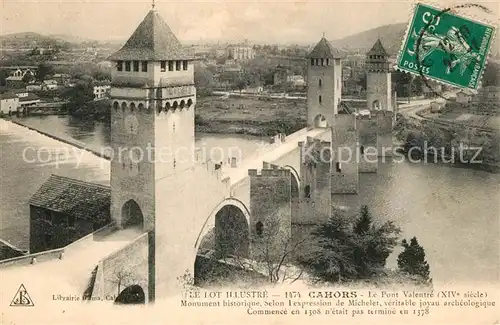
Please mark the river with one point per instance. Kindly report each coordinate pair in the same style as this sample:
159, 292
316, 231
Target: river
453, 212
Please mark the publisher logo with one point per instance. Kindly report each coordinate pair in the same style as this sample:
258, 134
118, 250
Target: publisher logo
22, 298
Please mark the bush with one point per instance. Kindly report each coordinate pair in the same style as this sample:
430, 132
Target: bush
412, 259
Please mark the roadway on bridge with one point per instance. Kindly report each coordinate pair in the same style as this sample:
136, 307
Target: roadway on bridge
69, 275
269, 154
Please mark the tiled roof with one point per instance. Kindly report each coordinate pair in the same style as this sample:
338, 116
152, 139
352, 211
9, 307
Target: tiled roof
30, 96
325, 50
8, 95
378, 49
152, 40
73, 197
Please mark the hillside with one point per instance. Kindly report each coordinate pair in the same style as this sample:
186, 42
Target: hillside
28, 39
390, 35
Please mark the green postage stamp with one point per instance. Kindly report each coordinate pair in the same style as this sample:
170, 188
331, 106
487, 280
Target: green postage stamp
445, 47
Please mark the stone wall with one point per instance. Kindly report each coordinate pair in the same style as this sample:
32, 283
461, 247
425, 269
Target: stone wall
271, 211
367, 152
344, 147
384, 133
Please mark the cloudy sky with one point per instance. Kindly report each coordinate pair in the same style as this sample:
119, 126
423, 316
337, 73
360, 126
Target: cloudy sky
276, 21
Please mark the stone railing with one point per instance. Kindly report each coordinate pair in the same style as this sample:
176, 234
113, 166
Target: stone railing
57, 253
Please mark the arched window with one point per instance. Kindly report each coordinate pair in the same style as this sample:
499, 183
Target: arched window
182, 103
259, 228
174, 106
320, 100
167, 106
320, 83
141, 106
312, 61
124, 106
322, 62
132, 107
190, 102
115, 106
362, 150
307, 192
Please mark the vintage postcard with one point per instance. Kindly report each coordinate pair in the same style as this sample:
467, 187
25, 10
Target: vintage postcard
249, 162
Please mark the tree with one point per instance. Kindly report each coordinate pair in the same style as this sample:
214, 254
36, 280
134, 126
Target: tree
412, 259
350, 249
28, 77
44, 70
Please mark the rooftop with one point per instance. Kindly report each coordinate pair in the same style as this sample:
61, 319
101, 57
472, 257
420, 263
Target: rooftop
378, 49
325, 50
73, 197
8, 95
153, 40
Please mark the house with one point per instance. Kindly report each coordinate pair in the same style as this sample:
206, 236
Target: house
8, 103
50, 84
64, 210
34, 87
101, 91
61, 78
26, 98
297, 81
464, 97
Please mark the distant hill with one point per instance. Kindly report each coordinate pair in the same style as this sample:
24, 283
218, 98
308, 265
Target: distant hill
71, 38
390, 35
28, 39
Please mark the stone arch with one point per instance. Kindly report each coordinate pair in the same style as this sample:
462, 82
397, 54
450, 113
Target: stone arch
210, 221
131, 295
320, 121
132, 215
140, 106
295, 181
116, 105
181, 105
132, 107
376, 105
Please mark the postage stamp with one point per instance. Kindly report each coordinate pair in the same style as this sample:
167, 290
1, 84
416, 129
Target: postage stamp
445, 47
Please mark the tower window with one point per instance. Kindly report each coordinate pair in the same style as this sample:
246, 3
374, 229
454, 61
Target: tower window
184, 65
119, 66
319, 83
127, 65
163, 66
177, 65
259, 228
338, 167
362, 150
312, 61
170, 65
327, 61
322, 62
144, 66
136, 66
320, 100
307, 192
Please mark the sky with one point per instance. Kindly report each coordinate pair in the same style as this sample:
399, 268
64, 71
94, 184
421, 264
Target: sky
276, 21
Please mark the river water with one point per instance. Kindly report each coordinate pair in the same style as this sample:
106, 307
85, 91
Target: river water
454, 212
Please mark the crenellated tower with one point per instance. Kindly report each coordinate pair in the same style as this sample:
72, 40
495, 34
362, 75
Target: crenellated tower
152, 119
324, 84
378, 79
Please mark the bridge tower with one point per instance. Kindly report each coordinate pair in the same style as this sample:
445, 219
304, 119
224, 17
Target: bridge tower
324, 78
152, 135
379, 96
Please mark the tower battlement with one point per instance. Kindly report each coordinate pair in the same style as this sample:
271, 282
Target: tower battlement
269, 173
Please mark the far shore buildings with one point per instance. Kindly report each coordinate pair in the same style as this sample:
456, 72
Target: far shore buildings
240, 52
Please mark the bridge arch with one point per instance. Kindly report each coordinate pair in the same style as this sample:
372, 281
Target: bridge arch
132, 214
131, 295
320, 121
295, 178
234, 212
